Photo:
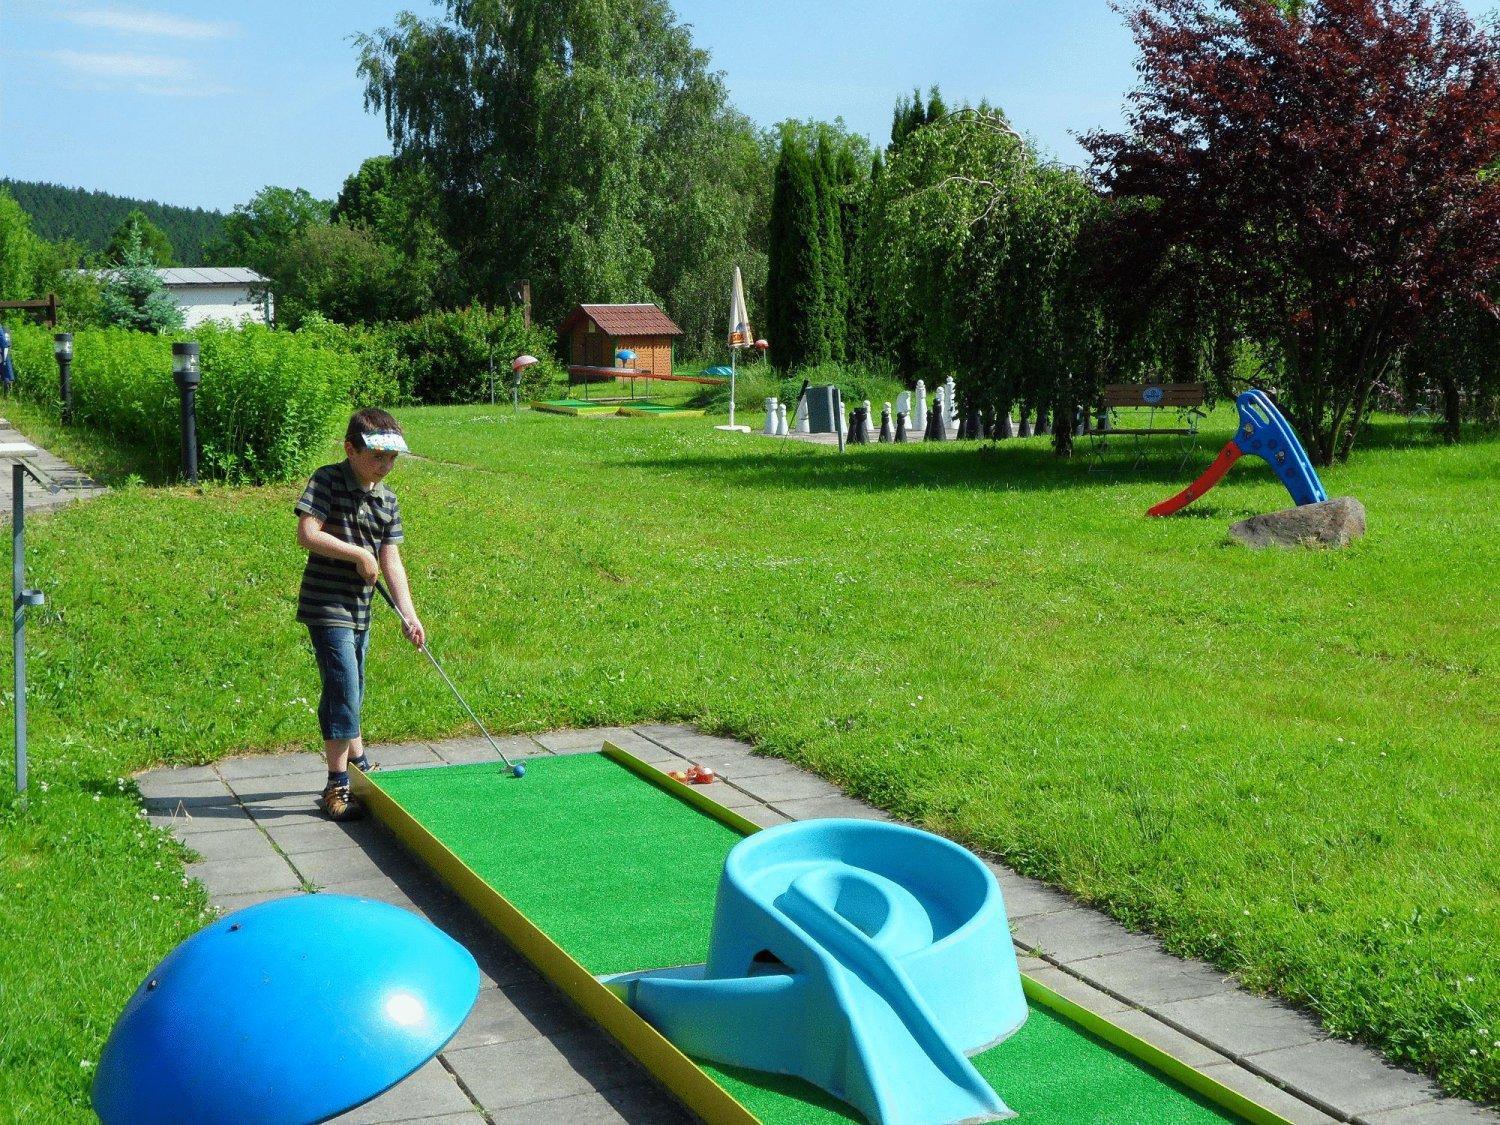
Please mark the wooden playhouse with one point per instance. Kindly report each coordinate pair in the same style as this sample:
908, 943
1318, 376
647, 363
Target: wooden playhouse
596, 332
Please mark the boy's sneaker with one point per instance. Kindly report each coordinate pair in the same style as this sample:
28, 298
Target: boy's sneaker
339, 805
364, 765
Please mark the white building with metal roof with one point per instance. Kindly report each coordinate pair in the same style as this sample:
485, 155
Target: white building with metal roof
230, 293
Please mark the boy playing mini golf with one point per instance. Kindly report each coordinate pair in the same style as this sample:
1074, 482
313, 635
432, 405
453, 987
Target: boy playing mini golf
350, 525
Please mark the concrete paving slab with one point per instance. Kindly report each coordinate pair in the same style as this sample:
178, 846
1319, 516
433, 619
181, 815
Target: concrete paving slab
268, 765
322, 834
1071, 988
516, 1011
151, 782
245, 875
707, 745
185, 823
167, 796
1025, 897
1239, 1023
1446, 1111
399, 755
1342, 1078
837, 806
727, 796
665, 732
589, 739
431, 1091
333, 867
517, 1073
777, 788
639, 1105
1149, 977
228, 904
1179, 1046
470, 751
762, 816
1268, 1095
244, 843
1075, 934
749, 766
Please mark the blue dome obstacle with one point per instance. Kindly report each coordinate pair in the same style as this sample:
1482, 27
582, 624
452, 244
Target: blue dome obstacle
869, 959
291, 1011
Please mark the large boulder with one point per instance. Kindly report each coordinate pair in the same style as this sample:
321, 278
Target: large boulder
1332, 523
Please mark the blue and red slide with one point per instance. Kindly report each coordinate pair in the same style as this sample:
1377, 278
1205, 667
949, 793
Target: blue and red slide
1264, 432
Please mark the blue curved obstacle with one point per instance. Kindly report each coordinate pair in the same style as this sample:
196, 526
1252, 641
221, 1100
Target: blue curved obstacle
869, 959
291, 1011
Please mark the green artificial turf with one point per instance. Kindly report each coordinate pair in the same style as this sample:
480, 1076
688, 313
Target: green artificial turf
622, 875
1283, 762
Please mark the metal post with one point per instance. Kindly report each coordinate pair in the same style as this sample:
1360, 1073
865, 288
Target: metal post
18, 618
185, 372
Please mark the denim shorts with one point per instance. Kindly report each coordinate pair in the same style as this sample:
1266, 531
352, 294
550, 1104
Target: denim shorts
341, 665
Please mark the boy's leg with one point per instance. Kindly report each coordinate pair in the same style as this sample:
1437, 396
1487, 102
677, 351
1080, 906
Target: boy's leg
338, 714
357, 743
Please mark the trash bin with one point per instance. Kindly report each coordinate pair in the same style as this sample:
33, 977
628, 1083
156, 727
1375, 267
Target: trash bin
825, 409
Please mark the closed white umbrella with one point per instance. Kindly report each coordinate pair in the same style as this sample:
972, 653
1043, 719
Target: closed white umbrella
741, 335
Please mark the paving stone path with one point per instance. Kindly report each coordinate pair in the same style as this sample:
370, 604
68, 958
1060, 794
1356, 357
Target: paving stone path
526, 1056
71, 483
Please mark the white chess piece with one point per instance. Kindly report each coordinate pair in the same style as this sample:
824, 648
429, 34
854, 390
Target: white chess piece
951, 399
919, 409
903, 404
803, 424
940, 402
781, 419
770, 426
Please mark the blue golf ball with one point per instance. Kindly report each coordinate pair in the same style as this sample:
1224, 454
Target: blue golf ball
518, 769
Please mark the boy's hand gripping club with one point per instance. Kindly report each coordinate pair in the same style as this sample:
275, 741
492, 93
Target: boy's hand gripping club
515, 768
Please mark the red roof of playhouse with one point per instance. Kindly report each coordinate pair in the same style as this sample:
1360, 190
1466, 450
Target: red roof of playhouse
623, 320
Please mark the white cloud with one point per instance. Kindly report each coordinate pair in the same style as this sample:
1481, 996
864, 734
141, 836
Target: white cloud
157, 24
146, 74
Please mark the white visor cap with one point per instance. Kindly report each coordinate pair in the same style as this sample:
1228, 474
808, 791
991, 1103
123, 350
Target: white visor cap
386, 442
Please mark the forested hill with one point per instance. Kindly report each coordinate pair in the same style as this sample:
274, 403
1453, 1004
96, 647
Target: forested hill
92, 216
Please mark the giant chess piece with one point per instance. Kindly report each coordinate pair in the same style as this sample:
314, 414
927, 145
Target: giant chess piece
1043, 422
1002, 425
902, 437
770, 427
886, 433
919, 407
859, 427
976, 424
937, 426
781, 419
951, 398
1025, 427
903, 404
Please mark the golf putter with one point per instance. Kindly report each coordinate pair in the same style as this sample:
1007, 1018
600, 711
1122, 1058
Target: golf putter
516, 769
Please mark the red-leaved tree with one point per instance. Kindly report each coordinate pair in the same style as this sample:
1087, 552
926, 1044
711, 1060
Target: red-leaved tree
1331, 163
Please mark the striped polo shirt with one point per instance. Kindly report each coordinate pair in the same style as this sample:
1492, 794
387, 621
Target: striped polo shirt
332, 591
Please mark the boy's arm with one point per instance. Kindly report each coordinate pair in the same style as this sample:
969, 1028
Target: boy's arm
312, 537
395, 574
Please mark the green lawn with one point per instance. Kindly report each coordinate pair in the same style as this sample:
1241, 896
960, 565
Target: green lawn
1280, 762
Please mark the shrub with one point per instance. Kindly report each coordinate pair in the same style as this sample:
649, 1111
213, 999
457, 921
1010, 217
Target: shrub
444, 357
269, 402
373, 350
755, 382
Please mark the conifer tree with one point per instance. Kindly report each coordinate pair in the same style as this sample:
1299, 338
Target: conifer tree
794, 299
834, 312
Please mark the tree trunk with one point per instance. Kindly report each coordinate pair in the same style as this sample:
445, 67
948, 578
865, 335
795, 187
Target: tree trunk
1452, 408
1063, 413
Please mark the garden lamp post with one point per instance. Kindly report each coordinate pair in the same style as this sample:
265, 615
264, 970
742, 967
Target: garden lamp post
185, 372
62, 348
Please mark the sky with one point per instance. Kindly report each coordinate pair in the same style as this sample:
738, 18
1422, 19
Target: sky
204, 103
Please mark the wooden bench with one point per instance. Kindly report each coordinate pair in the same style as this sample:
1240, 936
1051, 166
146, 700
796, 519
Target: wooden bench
1172, 409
